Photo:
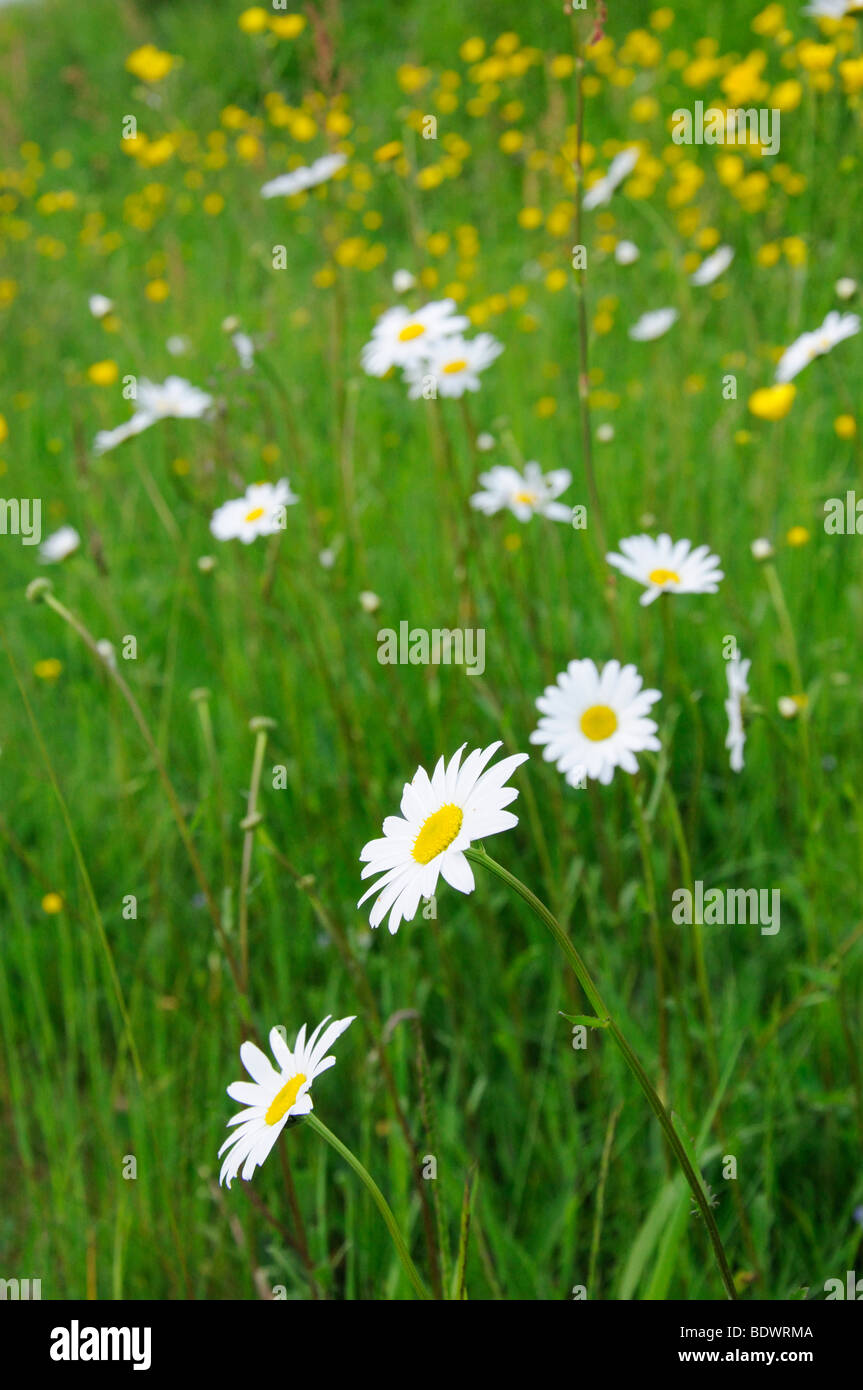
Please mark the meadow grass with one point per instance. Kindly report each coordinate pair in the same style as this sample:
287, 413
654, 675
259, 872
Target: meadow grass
120, 1034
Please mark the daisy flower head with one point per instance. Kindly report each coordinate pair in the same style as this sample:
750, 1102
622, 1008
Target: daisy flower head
59, 545
527, 494
401, 338
835, 329
441, 817
274, 1096
737, 673
619, 169
713, 266
595, 721
100, 305
452, 366
307, 176
261, 512
652, 325
626, 253
172, 398
666, 566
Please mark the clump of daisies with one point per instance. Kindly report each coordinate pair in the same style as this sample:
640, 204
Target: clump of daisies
261, 512
441, 817
666, 566
273, 1097
429, 346
527, 494
594, 721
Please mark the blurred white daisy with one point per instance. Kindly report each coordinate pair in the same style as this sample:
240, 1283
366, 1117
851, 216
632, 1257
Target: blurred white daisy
527, 494
713, 266
595, 721
835, 329
619, 169
245, 350
605, 433
666, 566
403, 281
832, 9
736, 672
173, 397
485, 442
100, 305
653, 324
441, 816
177, 345
626, 253
260, 513
307, 176
453, 365
401, 338
57, 546
845, 287
273, 1097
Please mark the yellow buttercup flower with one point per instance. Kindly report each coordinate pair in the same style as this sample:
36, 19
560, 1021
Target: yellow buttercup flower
254, 21
149, 63
798, 535
52, 903
103, 373
48, 669
287, 26
773, 402
845, 426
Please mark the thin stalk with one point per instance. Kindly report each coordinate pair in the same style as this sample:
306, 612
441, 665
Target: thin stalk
479, 856
260, 727
379, 1199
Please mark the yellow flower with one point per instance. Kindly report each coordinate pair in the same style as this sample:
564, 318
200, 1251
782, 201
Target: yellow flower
795, 250
287, 26
769, 253
52, 903
512, 543
157, 291
786, 96
845, 426
149, 63
773, 402
798, 535
511, 141
4, 429
103, 373
562, 66
545, 407
48, 669
851, 72
815, 57
8, 291
769, 22
254, 21
472, 50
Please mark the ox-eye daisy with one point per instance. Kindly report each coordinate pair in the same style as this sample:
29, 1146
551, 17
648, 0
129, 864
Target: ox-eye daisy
307, 176
452, 366
401, 338
273, 1097
663, 565
441, 816
652, 325
260, 513
528, 494
594, 721
835, 329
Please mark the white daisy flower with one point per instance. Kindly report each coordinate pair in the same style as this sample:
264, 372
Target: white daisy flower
245, 350
100, 305
441, 816
835, 329
527, 494
177, 345
173, 398
403, 281
453, 365
845, 287
57, 546
713, 266
666, 566
307, 176
626, 253
260, 513
619, 169
736, 672
273, 1097
653, 324
605, 433
831, 9
401, 338
594, 721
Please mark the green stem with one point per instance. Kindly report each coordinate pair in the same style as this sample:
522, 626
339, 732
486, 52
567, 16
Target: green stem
380, 1201
479, 856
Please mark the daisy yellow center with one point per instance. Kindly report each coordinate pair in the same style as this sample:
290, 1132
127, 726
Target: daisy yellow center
598, 723
458, 365
411, 331
284, 1100
438, 831
528, 497
664, 577
255, 514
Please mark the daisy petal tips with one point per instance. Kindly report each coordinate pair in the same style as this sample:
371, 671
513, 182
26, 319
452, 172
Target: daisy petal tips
441, 817
275, 1094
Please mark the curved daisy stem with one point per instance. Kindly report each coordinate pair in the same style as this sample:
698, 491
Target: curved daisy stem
379, 1199
479, 856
